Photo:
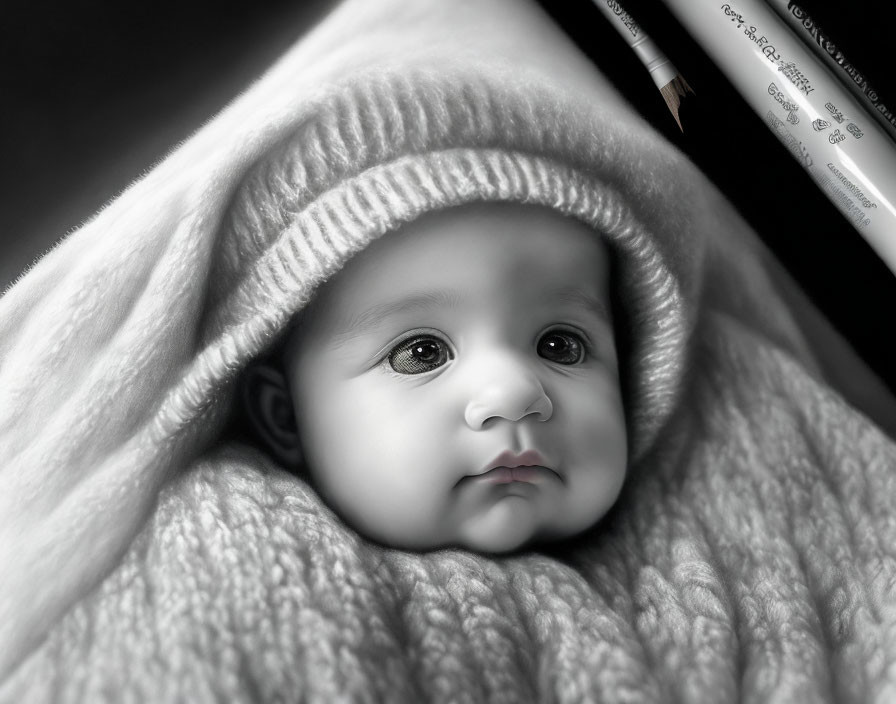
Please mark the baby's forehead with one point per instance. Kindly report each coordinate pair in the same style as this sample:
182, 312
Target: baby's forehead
473, 240
508, 255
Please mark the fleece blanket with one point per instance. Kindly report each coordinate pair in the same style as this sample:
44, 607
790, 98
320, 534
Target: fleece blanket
146, 555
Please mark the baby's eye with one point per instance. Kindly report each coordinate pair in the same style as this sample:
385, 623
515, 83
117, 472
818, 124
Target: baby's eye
561, 347
419, 354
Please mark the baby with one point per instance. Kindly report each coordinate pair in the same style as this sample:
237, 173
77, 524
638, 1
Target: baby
457, 383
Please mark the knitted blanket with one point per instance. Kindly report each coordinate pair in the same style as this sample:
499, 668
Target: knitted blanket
147, 556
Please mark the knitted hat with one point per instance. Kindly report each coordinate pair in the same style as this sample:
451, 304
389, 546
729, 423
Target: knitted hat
380, 153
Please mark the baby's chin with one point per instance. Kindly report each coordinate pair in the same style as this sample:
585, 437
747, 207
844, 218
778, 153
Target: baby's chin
506, 526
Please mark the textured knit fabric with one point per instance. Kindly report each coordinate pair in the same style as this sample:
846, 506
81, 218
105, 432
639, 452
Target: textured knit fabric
145, 557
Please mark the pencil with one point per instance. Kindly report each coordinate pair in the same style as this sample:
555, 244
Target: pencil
671, 83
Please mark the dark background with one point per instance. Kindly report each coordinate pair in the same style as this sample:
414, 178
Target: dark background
93, 93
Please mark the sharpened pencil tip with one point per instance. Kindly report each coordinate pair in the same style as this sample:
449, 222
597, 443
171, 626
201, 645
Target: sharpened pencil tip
673, 92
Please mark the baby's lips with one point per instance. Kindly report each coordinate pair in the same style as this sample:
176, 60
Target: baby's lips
529, 466
526, 474
511, 460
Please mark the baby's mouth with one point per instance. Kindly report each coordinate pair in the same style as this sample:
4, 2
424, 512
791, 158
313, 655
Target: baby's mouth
530, 474
529, 467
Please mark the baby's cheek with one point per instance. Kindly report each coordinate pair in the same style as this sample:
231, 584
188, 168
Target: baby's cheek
382, 463
591, 403
595, 435
389, 502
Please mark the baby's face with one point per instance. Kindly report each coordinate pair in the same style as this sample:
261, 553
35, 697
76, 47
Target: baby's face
457, 382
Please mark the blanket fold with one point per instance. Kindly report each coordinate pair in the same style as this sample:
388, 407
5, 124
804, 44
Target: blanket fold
148, 556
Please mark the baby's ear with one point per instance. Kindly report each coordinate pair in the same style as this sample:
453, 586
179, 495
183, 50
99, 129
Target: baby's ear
268, 404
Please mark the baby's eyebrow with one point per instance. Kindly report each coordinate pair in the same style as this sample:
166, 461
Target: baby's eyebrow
370, 318
576, 296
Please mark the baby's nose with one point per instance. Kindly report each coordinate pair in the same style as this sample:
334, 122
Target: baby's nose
508, 390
